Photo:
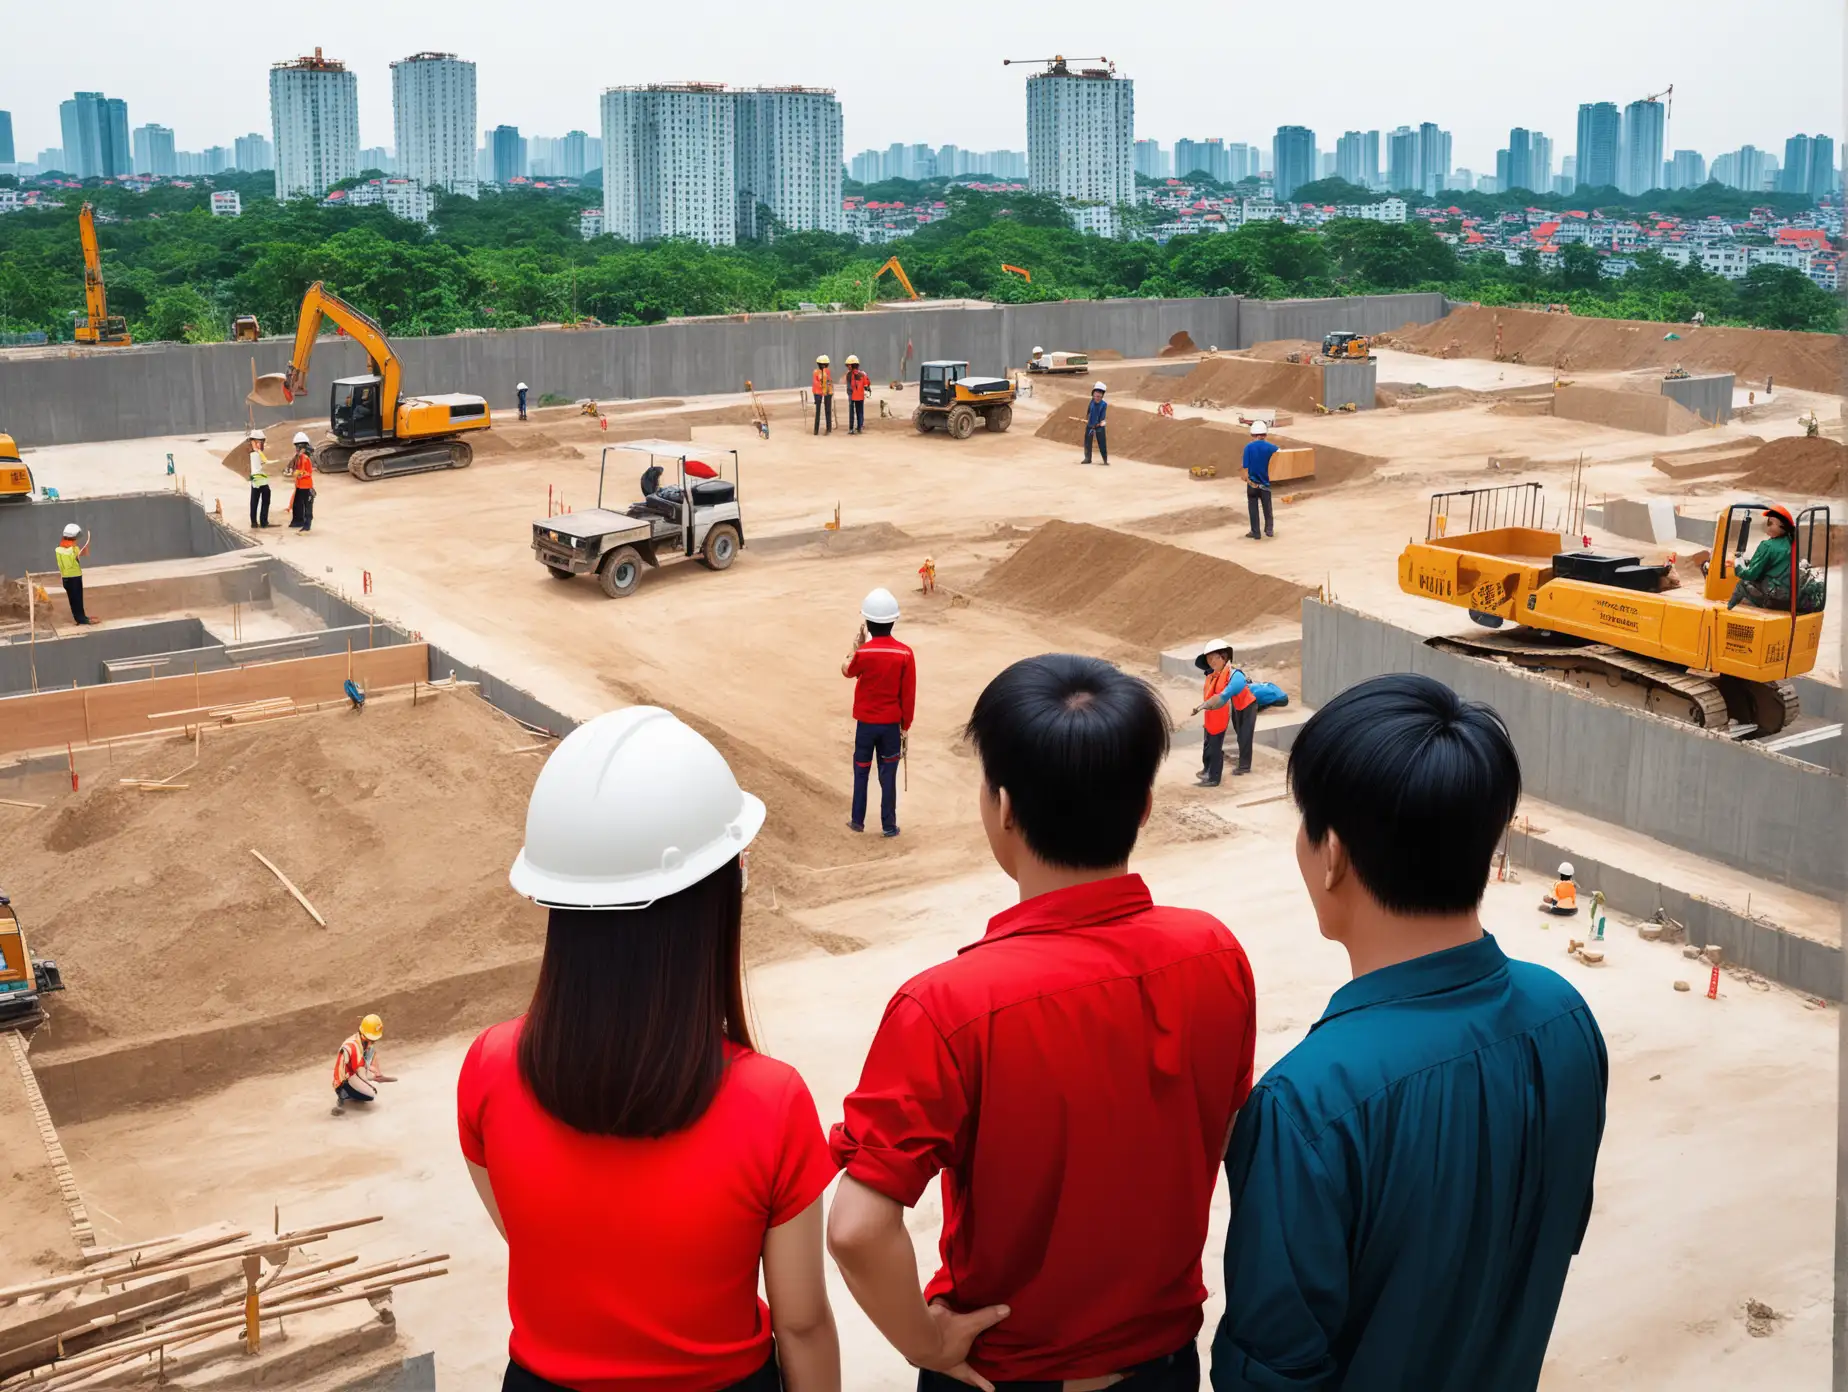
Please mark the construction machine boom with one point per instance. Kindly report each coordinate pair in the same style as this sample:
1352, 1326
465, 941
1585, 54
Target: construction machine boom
99, 325
899, 271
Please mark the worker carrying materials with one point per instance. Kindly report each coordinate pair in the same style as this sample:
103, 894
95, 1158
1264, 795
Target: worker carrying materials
857, 384
259, 480
301, 473
821, 388
1765, 580
356, 1066
520, 392
1564, 898
1257, 478
1094, 425
885, 675
927, 577
1226, 701
70, 566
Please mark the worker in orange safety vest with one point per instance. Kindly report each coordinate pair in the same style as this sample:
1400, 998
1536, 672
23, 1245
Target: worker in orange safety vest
356, 1071
857, 383
1564, 898
822, 389
1227, 702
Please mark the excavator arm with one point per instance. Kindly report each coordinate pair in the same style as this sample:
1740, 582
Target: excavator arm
899, 271
320, 303
96, 304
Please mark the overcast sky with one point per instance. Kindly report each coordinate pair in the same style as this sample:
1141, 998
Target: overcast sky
1742, 74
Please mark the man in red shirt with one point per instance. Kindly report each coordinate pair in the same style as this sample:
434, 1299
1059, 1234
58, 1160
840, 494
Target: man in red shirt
1073, 1075
885, 695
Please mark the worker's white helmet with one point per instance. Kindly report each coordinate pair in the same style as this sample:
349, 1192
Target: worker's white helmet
258, 435
879, 607
853, 360
1565, 869
1037, 350
520, 387
1260, 427
301, 438
821, 360
72, 531
1099, 386
631, 807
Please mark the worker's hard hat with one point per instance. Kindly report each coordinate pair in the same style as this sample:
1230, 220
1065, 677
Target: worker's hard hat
372, 1027
301, 438
520, 387
1099, 386
258, 435
1260, 427
879, 607
1037, 349
1783, 514
72, 531
853, 359
631, 807
1223, 645
1565, 869
821, 360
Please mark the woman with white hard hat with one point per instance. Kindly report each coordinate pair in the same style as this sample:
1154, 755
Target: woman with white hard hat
641, 1158
259, 479
1094, 425
885, 697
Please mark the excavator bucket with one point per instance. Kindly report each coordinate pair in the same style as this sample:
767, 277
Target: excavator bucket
271, 389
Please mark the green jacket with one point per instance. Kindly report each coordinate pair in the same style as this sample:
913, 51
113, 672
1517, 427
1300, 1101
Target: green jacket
1769, 563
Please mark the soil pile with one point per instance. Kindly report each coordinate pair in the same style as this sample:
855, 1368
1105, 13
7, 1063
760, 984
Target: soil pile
1708, 460
1179, 345
1183, 444
1140, 591
1223, 382
1279, 350
1811, 467
1622, 410
1812, 361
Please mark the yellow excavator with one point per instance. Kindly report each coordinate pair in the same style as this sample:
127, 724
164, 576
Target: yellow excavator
15, 476
24, 979
99, 325
1623, 630
374, 431
899, 271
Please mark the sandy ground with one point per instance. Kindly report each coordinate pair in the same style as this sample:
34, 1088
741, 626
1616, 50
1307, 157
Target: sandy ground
1698, 1089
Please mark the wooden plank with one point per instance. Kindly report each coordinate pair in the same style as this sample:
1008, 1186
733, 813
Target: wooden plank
300, 898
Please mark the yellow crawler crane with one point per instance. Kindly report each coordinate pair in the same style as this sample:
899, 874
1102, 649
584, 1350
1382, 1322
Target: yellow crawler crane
1623, 630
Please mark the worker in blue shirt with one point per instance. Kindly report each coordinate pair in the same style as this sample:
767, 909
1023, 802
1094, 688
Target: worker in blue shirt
1257, 477
1094, 425
1410, 1183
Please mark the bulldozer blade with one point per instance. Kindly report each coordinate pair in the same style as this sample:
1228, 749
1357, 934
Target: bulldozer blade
269, 390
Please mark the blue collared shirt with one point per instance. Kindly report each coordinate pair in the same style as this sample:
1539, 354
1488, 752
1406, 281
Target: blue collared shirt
1257, 460
1410, 1183
1094, 414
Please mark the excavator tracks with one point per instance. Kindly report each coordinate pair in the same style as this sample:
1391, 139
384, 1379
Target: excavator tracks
1761, 708
387, 461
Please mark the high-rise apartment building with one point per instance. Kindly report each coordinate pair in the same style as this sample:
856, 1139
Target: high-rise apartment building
573, 154
1686, 170
1809, 166
667, 163
7, 155
1600, 145
1202, 157
154, 151
1081, 141
433, 121
1242, 162
867, 167
314, 120
96, 142
1540, 162
1351, 152
786, 160
1518, 171
1292, 160
1151, 160
377, 157
252, 152
1404, 167
509, 154
1433, 158
1748, 168
1644, 127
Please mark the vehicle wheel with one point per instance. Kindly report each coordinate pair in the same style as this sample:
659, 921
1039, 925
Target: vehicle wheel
620, 572
721, 547
999, 418
461, 454
560, 573
961, 423
921, 419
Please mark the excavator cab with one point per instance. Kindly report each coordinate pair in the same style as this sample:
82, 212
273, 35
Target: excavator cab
1736, 536
22, 980
354, 410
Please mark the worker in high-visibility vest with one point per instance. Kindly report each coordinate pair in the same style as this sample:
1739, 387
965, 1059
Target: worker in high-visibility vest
857, 384
356, 1070
822, 389
259, 480
301, 472
1564, 898
1227, 703
70, 566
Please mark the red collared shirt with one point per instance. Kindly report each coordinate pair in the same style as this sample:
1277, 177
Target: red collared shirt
885, 674
1073, 1076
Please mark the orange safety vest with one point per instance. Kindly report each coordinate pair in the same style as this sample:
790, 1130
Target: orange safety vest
857, 383
1219, 720
354, 1054
824, 382
1565, 894
304, 469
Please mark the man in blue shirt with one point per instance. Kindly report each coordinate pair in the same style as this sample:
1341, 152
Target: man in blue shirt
1094, 425
1410, 1183
1257, 477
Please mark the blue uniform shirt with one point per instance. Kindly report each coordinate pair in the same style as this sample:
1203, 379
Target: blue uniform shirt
1094, 415
1410, 1183
1257, 462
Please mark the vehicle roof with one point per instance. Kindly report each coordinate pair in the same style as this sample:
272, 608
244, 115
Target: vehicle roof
946, 362
355, 381
588, 522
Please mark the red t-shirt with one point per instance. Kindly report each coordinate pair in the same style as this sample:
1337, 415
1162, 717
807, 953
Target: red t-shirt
885, 676
1073, 1076
633, 1263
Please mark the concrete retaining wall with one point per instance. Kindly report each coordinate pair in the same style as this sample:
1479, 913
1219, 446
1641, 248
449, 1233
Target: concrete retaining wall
1624, 410
79, 657
178, 389
1357, 382
1774, 817
1708, 397
126, 529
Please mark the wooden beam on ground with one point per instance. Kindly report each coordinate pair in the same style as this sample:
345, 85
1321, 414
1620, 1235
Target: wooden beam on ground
300, 898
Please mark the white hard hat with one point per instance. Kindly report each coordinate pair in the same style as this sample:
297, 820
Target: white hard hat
73, 531
879, 607
258, 435
821, 360
301, 438
1565, 869
853, 359
1099, 386
1260, 427
631, 807
520, 387
1038, 349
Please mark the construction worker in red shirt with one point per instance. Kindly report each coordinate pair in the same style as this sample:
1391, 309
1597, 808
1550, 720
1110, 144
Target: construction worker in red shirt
356, 1071
1227, 701
857, 384
885, 693
821, 387
301, 473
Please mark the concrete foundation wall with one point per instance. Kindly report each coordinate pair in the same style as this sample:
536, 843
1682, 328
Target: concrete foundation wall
177, 389
1624, 410
79, 657
1344, 382
1774, 817
124, 530
1708, 397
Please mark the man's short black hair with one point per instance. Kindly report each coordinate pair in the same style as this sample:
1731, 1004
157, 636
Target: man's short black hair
1418, 783
877, 630
1076, 743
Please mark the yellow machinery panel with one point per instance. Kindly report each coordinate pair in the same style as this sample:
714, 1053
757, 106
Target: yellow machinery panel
425, 416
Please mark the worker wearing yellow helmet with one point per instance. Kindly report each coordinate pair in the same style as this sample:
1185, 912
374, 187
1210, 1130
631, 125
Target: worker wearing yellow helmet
822, 389
857, 385
356, 1069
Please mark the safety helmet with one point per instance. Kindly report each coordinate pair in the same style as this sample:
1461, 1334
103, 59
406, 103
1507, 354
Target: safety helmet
879, 607
1099, 386
72, 531
372, 1027
1783, 515
821, 360
1037, 350
1223, 645
1259, 427
258, 435
631, 807
853, 360
520, 387
301, 438
1565, 869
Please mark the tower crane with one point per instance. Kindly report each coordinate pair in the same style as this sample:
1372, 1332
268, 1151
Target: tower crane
1060, 66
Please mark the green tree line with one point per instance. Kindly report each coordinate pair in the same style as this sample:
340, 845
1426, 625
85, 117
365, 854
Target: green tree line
516, 259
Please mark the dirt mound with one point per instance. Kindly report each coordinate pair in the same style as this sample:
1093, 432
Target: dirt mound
1179, 345
1183, 444
1708, 460
1622, 410
1797, 464
1221, 382
1194, 519
1279, 350
1812, 361
1134, 589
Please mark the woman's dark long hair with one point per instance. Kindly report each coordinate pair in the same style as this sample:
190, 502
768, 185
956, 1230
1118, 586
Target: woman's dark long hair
627, 1028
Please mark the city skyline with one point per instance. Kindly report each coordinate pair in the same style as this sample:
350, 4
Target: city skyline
531, 80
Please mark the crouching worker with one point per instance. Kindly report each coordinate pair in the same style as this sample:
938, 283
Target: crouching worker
356, 1067
641, 1158
1564, 898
